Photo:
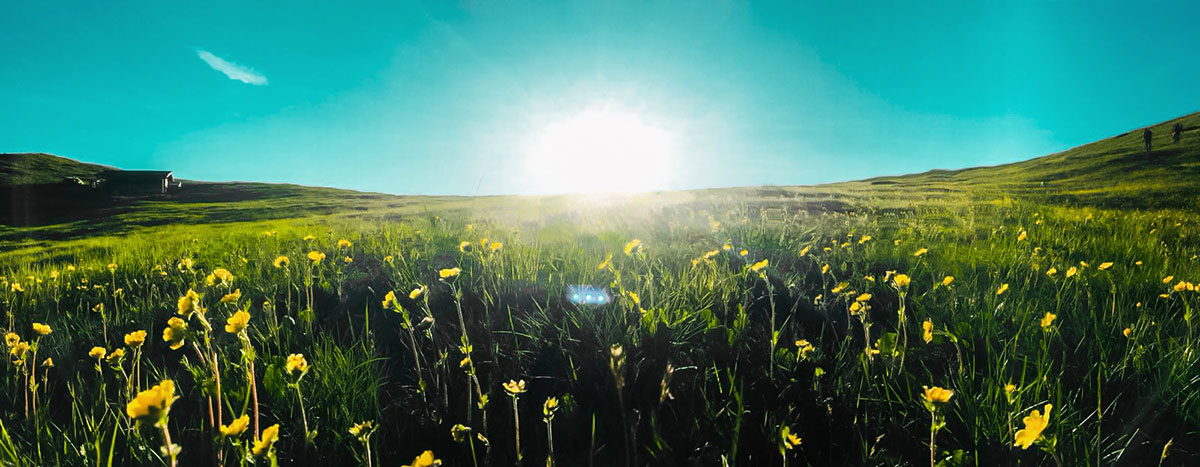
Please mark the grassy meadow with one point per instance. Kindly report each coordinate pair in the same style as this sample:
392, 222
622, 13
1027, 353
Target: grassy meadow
942, 318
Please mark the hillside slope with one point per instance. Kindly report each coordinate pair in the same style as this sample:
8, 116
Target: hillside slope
38, 168
1115, 172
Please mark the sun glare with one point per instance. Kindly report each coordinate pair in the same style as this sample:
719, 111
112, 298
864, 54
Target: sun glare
600, 149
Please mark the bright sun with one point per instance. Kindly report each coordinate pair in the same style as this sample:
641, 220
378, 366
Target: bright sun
600, 149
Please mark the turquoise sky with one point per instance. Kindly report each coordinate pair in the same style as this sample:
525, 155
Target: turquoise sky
444, 97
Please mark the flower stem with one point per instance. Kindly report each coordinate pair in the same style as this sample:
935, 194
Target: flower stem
517, 429
933, 439
303, 415
550, 441
167, 440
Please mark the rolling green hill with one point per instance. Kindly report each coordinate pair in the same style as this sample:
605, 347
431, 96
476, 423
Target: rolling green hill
1113, 173
37, 168
740, 326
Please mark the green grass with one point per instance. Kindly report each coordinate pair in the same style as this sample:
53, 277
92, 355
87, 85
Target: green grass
709, 371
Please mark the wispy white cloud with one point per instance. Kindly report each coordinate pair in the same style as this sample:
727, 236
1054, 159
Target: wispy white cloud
232, 70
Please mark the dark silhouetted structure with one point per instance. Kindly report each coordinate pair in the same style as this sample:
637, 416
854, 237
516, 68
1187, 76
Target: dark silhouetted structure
137, 182
1177, 132
1146, 135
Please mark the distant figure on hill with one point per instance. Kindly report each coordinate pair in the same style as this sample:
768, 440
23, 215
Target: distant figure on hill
1177, 132
1146, 135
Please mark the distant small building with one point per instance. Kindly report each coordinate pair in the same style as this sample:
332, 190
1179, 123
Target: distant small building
137, 182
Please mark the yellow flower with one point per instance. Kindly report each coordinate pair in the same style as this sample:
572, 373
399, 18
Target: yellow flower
1003, 288
759, 266
418, 292
514, 387
921, 252
315, 256
233, 297
18, 350
296, 363
1048, 320
550, 406
16, 287
264, 443
496, 246
389, 301
804, 347
790, 440
839, 287
152, 405
48, 362
1105, 265
743, 252
1071, 271
426, 459
348, 260
634, 297
604, 264
188, 302
863, 297
40, 328
938, 394
825, 269
11, 339
1021, 236
237, 322
282, 262
97, 352
309, 238
804, 251
388, 258
343, 243
116, 355
1181, 286
1083, 264
901, 280
1051, 272
946, 281
1167, 280
1127, 332
927, 331
855, 307
135, 338
54, 274
362, 430
1009, 388
175, 333
464, 247
864, 239
466, 361
448, 273
460, 433
727, 246
1035, 423
219, 276
634, 244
